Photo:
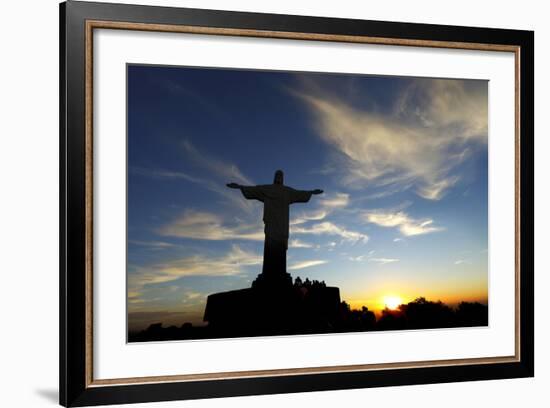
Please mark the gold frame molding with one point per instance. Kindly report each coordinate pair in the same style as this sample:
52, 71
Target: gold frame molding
100, 24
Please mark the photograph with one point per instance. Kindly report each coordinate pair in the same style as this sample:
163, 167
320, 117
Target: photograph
256, 203
283, 203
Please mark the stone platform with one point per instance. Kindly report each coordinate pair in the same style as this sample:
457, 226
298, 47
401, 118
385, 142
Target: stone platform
271, 308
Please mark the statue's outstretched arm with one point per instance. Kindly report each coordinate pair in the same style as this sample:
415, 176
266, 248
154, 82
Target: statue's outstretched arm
249, 192
302, 196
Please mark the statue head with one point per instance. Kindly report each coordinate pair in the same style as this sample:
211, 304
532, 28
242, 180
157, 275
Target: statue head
279, 177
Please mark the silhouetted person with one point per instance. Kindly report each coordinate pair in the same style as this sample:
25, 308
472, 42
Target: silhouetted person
276, 198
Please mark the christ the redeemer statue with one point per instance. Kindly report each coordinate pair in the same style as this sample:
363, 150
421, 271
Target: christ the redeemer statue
276, 198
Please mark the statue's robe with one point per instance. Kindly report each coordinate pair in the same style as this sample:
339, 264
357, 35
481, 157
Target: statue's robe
277, 199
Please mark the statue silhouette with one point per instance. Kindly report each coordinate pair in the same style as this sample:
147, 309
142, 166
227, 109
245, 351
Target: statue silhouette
273, 305
276, 198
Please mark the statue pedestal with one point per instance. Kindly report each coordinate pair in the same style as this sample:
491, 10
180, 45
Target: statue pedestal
272, 282
273, 306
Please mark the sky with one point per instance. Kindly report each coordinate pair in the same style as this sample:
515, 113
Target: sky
402, 162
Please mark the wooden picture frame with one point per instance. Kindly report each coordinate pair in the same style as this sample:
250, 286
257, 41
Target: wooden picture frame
78, 20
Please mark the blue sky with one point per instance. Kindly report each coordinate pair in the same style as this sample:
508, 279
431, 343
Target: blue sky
402, 161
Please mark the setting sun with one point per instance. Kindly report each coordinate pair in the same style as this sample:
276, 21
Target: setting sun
392, 302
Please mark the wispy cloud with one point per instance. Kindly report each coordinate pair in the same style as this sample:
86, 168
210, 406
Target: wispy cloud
215, 186
228, 171
219, 173
306, 216
135, 296
328, 228
192, 297
208, 226
296, 243
154, 245
338, 200
435, 190
168, 174
326, 206
369, 257
420, 142
407, 225
231, 263
461, 261
195, 224
306, 264
383, 261
307, 222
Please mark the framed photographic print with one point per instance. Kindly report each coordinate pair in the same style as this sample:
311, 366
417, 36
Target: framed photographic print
256, 203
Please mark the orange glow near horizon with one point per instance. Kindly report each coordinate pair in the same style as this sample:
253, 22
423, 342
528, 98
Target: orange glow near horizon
449, 289
392, 299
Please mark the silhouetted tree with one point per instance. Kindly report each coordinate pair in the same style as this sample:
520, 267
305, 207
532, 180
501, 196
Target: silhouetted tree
424, 314
391, 320
472, 314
